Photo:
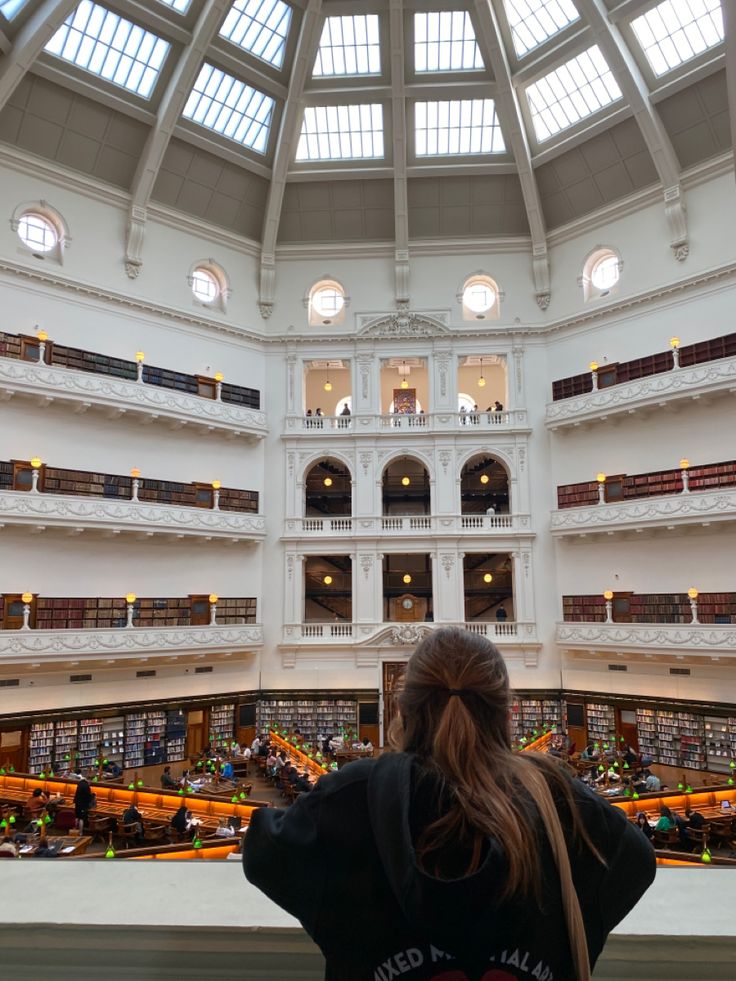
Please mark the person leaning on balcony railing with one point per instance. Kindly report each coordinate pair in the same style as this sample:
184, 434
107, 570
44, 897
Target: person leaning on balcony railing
416, 865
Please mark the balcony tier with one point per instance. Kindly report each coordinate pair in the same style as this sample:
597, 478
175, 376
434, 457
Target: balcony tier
692, 639
18, 646
428, 423
702, 508
498, 525
112, 515
366, 641
708, 379
147, 403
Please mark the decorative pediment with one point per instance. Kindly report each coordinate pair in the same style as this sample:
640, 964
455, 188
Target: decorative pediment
402, 323
404, 634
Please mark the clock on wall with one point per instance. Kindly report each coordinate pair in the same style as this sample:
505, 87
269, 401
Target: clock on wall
407, 603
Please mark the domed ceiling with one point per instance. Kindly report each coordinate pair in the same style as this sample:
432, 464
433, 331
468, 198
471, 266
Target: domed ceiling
299, 125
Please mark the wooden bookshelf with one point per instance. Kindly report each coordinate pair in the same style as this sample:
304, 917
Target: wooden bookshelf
76, 359
653, 364
704, 477
653, 608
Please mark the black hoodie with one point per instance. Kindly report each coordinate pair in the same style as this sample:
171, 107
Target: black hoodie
342, 861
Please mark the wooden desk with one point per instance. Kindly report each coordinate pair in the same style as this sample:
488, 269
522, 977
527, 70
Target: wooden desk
77, 845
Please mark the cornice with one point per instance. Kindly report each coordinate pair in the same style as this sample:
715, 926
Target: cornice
631, 637
680, 383
63, 644
89, 514
698, 507
157, 404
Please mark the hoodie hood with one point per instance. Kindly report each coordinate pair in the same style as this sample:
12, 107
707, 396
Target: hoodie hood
459, 913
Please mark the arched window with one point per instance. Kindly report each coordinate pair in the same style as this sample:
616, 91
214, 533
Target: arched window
41, 230
480, 298
326, 303
601, 273
209, 284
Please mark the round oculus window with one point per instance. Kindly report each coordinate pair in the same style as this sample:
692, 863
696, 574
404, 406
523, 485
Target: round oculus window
328, 301
479, 296
605, 272
37, 232
204, 285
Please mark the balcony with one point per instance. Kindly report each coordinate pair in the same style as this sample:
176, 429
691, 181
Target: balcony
18, 646
647, 513
692, 639
663, 390
119, 398
114, 516
431, 423
499, 525
313, 641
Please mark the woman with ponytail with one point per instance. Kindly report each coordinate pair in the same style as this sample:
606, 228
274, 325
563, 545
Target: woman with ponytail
452, 858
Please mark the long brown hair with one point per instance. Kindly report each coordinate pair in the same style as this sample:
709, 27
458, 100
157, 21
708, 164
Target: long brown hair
454, 715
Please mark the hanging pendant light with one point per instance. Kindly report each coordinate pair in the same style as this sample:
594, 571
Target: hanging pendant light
404, 379
481, 380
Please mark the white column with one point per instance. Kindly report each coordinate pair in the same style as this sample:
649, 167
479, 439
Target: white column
366, 390
446, 589
367, 587
442, 382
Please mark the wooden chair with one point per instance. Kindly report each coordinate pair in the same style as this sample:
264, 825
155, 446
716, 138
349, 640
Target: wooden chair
698, 836
154, 831
128, 833
666, 839
98, 826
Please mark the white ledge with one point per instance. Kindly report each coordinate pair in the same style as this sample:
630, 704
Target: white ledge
514, 420
694, 508
683, 638
365, 641
338, 526
710, 378
149, 403
20, 645
81, 513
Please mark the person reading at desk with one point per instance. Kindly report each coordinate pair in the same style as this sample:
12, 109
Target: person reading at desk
419, 865
167, 781
132, 816
180, 820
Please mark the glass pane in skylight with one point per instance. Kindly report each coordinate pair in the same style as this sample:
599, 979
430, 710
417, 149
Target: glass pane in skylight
349, 46
341, 133
457, 126
532, 22
180, 6
231, 108
260, 27
110, 47
571, 92
678, 30
9, 8
444, 41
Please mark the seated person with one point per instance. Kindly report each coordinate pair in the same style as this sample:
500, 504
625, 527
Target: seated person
8, 847
167, 781
224, 830
666, 820
367, 746
180, 820
131, 815
302, 784
642, 822
36, 803
589, 753
652, 783
227, 770
112, 769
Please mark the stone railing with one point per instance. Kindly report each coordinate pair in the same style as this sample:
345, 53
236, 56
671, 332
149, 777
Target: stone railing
61, 645
435, 524
119, 397
701, 508
513, 420
83, 514
691, 638
709, 378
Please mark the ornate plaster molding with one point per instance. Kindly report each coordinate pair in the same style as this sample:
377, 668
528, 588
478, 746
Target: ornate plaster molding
402, 323
662, 637
104, 391
655, 390
17, 645
92, 513
697, 507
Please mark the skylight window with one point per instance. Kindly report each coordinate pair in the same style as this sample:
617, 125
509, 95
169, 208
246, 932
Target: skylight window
110, 47
571, 92
457, 126
9, 8
341, 133
231, 108
677, 30
444, 41
180, 6
349, 46
533, 22
260, 27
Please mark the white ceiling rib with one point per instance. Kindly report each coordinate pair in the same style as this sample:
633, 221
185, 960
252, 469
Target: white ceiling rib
30, 42
635, 90
512, 126
169, 110
399, 135
304, 57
